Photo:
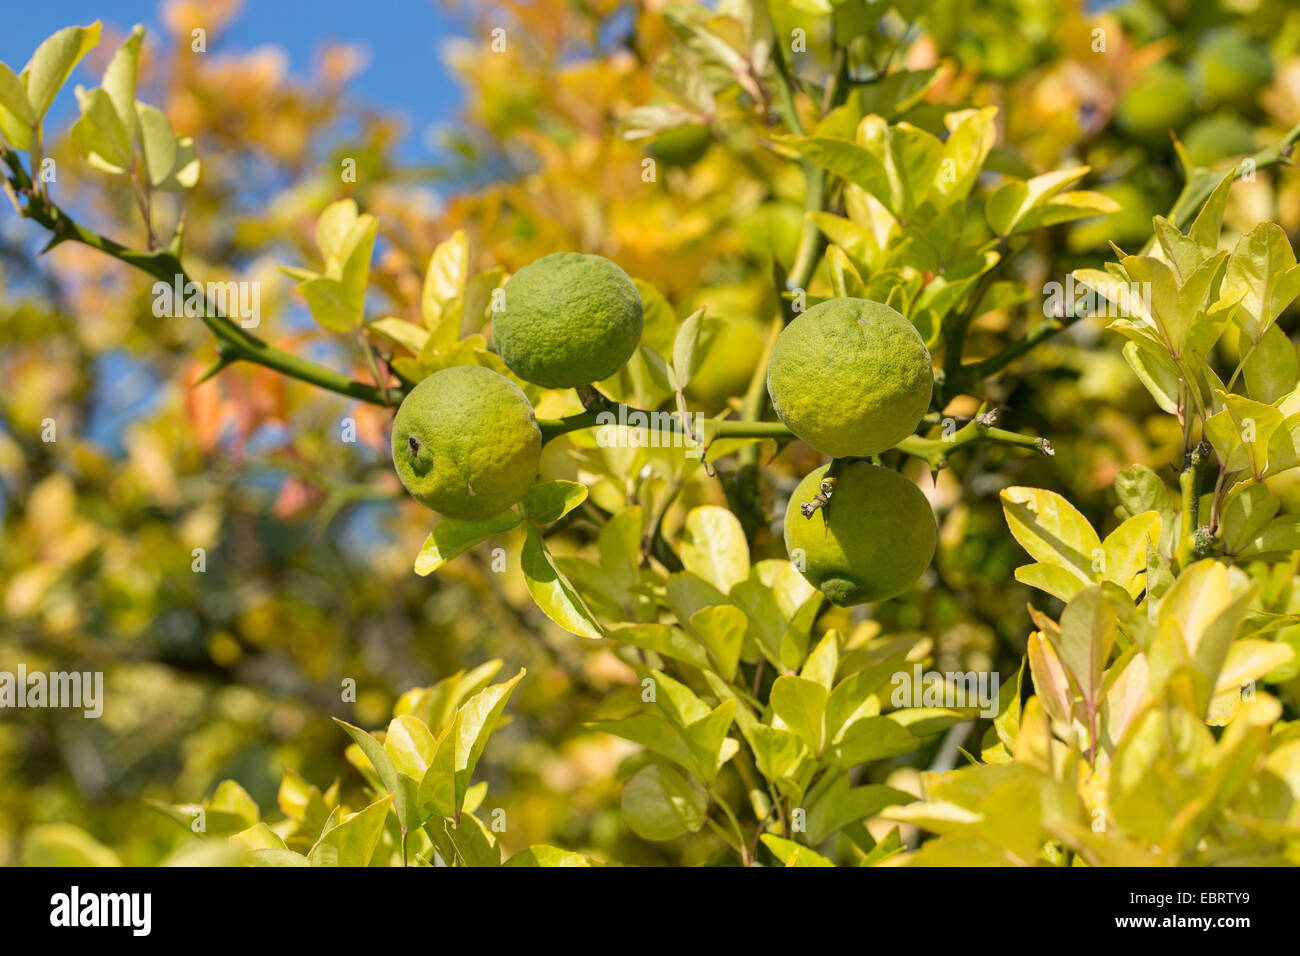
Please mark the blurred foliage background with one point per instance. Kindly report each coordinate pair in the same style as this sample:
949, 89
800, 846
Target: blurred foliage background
235, 671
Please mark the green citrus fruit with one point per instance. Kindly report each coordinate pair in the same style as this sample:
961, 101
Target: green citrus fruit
1231, 68
870, 543
851, 377
683, 146
1160, 100
734, 351
568, 320
1216, 137
466, 442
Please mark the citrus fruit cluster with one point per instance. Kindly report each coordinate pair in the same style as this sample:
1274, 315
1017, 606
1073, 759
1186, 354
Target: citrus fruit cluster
853, 378
465, 441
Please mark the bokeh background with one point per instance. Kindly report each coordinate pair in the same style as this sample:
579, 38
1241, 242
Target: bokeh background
235, 671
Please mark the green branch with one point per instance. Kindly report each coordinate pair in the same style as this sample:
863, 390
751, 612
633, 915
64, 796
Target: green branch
934, 451
1201, 182
234, 343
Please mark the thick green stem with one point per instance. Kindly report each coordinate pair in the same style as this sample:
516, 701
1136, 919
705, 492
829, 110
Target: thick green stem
233, 342
1190, 482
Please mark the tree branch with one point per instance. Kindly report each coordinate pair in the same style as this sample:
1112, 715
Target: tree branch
234, 343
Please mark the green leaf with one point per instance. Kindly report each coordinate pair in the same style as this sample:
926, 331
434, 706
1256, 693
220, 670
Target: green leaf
54, 61
383, 766
300, 801
1052, 530
801, 705
1271, 368
707, 738
776, 751
874, 738
328, 303
971, 136
658, 803
475, 721
1067, 207
100, 135
793, 854
260, 837
408, 335
62, 845
353, 841
823, 661
1125, 551
551, 590
272, 857
662, 639
544, 855
410, 746
1263, 267
849, 161
551, 500
850, 699
910, 158
714, 547
1247, 509
475, 845
157, 142
619, 544
13, 98
721, 629
231, 798
687, 354
452, 537
1014, 200
842, 804
1055, 580
120, 80
654, 733
1157, 373
446, 277
1088, 628
845, 280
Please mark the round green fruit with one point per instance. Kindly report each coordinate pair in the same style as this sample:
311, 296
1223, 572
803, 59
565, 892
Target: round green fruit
466, 443
870, 543
683, 146
851, 377
733, 353
568, 320
1161, 100
1231, 68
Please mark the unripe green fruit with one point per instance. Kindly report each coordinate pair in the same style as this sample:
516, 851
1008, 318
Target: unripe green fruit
568, 320
683, 146
870, 543
1160, 101
1231, 68
466, 443
851, 377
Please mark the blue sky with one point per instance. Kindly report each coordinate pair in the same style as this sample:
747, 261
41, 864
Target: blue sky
404, 38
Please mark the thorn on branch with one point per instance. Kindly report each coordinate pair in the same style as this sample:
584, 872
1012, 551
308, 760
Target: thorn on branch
224, 359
